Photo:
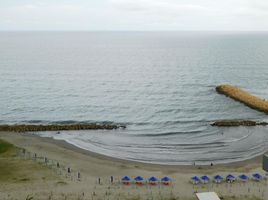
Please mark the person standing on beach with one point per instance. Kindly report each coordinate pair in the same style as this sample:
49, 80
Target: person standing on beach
78, 176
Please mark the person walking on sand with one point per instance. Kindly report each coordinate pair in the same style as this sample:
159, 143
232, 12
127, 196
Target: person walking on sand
112, 179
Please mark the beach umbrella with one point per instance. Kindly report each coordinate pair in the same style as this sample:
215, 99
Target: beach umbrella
139, 180
166, 180
243, 177
204, 179
153, 180
230, 178
195, 180
256, 177
217, 179
126, 180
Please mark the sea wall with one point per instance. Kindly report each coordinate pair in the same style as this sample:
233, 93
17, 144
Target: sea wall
243, 97
32, 128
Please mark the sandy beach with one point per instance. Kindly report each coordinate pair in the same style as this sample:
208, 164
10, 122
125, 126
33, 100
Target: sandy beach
47, 181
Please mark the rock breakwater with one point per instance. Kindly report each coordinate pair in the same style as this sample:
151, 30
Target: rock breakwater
229, 123
34, 128
243, 97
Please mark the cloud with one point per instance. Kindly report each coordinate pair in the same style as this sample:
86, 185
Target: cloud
135, 15
43, 16
155, 5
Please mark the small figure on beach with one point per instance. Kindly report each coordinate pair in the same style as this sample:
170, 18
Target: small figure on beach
211, 164
58, 165
78, 175
112, 179
35, 156
46, 160
58, 132
99, 180
69, 170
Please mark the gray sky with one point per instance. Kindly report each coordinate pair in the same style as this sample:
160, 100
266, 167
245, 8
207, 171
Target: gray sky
236, 15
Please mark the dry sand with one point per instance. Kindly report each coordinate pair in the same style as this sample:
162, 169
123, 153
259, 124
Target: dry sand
49, 182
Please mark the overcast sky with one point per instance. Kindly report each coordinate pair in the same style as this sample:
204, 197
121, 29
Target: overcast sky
134, 15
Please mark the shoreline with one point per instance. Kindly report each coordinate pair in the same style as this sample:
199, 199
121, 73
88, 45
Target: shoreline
69, 146
94, 167
75, 148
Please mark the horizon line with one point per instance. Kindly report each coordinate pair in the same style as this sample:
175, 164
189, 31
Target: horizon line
51, 30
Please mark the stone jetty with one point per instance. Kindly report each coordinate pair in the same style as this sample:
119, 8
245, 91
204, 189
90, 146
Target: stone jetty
244, 97
229, 123
57, 127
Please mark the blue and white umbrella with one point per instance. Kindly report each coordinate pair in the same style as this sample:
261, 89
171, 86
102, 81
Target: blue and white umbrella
195, 179
204, 179
126, 180
230, 178
166, 180
152, 180
217, 179
257, 177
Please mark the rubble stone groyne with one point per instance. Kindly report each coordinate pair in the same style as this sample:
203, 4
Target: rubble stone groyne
228, 123
34, 128
243, 97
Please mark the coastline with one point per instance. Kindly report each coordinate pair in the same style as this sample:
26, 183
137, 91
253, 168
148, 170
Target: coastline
236, 164
252, 163
93, 166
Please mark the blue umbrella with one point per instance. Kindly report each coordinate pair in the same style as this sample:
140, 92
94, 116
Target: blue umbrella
257, 176
195, 178
126, 178
243, 177
138, 178
217, 178
230, 178
152, 179
165, 179
204, 178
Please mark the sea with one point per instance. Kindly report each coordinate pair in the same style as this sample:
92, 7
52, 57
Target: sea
161, 85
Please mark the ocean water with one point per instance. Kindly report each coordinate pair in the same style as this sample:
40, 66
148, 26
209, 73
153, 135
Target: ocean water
160, 84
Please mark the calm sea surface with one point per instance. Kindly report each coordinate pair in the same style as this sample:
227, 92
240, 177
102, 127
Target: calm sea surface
160, 84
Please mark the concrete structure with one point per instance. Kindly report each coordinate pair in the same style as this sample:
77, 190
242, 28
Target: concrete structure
207, 196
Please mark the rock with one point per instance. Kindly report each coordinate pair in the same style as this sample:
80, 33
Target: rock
243, 97
57, 127
230, 123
